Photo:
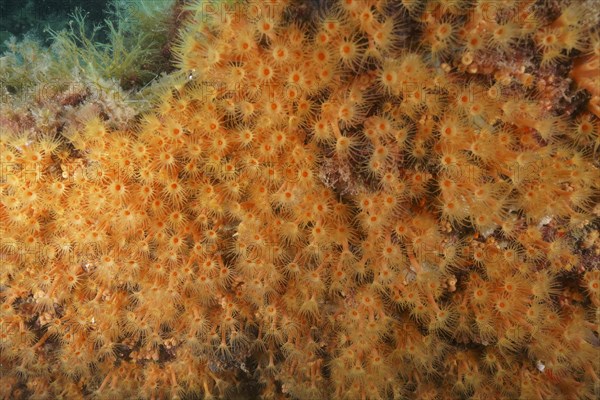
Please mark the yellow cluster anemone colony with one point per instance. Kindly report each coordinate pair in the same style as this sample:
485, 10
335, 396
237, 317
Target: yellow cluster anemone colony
354, 199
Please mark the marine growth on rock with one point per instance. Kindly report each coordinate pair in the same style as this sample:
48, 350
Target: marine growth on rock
354, 199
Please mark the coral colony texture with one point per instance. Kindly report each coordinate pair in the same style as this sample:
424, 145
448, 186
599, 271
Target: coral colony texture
322, 200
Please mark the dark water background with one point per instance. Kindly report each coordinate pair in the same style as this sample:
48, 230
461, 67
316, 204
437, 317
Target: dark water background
20, 17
